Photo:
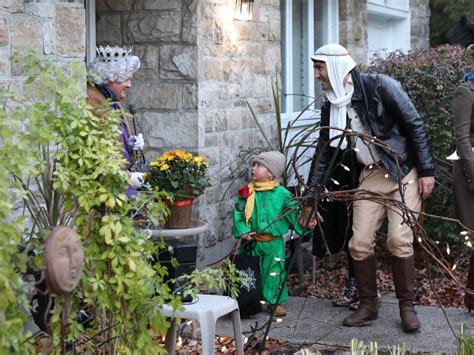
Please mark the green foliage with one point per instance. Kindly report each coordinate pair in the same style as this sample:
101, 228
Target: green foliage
465, 341
359, 348
430, 77
16, 157
444, 15
179, 173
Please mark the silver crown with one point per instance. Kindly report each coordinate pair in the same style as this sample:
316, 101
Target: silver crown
112, 54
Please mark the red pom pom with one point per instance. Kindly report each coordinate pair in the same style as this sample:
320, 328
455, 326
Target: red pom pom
244, 192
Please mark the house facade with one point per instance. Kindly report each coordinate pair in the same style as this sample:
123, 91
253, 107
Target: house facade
201, 68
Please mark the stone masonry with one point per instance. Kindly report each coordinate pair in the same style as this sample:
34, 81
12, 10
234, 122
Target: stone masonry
51, 27
420, 24
353, 28
199, 69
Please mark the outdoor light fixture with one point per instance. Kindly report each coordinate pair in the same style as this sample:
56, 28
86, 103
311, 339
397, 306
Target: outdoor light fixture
244, 10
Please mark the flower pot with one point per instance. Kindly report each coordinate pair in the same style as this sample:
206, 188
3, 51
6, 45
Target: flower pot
180, 214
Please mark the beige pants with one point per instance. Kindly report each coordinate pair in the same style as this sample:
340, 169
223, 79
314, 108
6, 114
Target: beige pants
369, 215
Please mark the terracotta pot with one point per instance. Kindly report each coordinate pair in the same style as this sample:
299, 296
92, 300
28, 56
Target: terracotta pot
180, 215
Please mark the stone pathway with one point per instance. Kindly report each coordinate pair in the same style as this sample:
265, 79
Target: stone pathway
311, 322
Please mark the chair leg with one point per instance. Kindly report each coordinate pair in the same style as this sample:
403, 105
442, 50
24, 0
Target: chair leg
237, 332
170, 341
208, 335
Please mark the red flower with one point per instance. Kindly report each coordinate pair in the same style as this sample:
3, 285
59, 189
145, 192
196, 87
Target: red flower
244, 192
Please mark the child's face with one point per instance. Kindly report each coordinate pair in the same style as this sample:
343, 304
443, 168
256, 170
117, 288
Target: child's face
261, 173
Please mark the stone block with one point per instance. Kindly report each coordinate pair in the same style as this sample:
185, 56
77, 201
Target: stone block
71, 31
43, 9
109, 29
152, 95
26, 33
152, 26
4, 40
178, 62
171, 129
117, 5
207, 95
162, 4
145, 74
189, 33
190, 97
208, 122
212, 69
148, 56
251, 31
12, 6
211, 139
235, 120
220, 121
49, 37
5, 67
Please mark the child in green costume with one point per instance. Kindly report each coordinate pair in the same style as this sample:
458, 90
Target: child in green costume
264, 212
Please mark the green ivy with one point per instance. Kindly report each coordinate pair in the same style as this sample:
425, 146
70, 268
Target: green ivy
430, 77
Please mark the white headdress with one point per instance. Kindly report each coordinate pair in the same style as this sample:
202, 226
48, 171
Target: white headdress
338, 63
113, 64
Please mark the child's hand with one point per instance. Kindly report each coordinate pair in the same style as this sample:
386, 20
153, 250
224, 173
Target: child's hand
305, 214
249, 236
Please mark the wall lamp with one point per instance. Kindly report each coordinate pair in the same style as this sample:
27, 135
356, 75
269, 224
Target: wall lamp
244, 10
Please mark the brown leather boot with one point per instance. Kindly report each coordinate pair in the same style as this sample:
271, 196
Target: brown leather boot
365, 272
469, 297
403, 270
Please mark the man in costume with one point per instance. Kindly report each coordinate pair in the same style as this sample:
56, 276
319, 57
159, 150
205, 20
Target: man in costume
375, 105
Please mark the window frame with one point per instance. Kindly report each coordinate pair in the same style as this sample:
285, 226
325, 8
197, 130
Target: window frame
91, 40
330, 34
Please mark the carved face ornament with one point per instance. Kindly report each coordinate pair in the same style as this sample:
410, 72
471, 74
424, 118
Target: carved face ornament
64, 257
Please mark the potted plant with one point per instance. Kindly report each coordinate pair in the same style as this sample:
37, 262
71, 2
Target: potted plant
184, 176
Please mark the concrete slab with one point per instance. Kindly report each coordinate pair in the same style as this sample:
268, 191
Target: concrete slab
311, 320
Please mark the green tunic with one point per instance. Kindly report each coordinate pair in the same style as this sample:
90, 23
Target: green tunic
269, 205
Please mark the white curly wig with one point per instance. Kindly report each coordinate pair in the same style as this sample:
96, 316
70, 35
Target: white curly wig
113, 64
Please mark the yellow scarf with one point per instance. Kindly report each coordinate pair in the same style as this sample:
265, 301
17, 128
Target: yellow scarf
256, 186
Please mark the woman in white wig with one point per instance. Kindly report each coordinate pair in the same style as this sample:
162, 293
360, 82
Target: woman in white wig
110, 78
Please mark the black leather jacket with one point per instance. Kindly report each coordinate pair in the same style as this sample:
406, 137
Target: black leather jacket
388, 114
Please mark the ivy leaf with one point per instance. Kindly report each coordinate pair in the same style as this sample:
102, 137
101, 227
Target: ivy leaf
132, 265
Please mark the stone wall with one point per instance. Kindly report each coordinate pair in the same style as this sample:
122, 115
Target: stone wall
420, 24
199, 69
51, 27
353, 28
237, 62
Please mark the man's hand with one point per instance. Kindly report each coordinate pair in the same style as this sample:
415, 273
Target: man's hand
426, 185
305, 213
248, 236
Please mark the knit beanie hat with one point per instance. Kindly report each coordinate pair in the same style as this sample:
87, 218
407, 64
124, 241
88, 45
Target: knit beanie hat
274, 161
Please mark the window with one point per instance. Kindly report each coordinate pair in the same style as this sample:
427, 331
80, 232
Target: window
306, 25
388, 27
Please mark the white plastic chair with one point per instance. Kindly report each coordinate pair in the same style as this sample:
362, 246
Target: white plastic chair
206, 311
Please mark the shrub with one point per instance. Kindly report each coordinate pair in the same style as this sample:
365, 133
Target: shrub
430, 77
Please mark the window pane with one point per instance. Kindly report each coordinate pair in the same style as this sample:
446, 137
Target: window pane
319, 40
300, 54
